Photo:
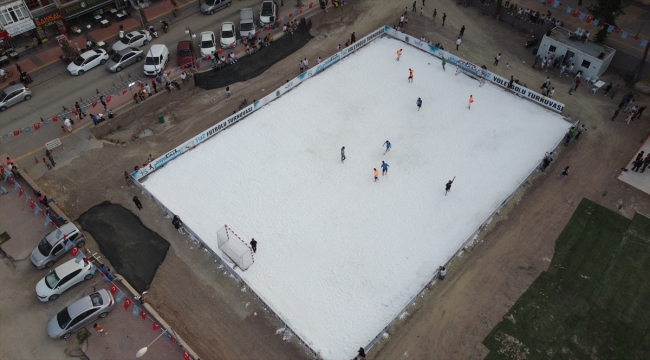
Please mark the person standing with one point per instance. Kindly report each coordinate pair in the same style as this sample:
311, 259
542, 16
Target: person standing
615, 91
103, 101
462, 31
127, 178
574, 86
419, 103
228, 93
615, 114
435, 12
536, 60
629, 118
353, 38
442, 272
100, 329
401, 21
68, 124
637, 165
581, 129
376, 174
444, 61
458, 41
388, 146
546, 161
629, 105
469, 102
80, 110
410, 79
551, 93
448, 185
254, 245
50, 157
496, 59
609, 87
564, 173
49, 167
361, 353
444, 17
639, 112
305, 63
399, 54
384, 168
137, 202
343, 154
178, 224
646, 163
414, 4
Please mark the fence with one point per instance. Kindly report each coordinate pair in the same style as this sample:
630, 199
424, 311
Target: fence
224, 124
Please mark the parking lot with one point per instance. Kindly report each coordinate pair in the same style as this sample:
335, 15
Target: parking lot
23, 318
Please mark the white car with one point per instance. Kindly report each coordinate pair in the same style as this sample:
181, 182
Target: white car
87, 61
133, 39
62, 278
208, 44
228, 35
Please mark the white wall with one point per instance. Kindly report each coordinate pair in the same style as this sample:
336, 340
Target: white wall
596, 67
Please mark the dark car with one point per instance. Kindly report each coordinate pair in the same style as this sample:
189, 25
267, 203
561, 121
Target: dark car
124, 58
185, 52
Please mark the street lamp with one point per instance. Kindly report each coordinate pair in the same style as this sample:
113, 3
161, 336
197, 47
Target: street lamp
192, 36
143, 351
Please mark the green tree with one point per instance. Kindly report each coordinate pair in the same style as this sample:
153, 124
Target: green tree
606, 11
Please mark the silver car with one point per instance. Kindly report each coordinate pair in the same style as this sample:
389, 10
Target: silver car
124, 58
52, 247
13, 94
80, 313
210, 6
133, 39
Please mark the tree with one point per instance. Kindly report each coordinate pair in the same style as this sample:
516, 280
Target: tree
606, 11
69, 51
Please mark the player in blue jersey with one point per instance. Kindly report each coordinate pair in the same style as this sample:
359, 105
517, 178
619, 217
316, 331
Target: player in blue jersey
388, 146
384, 168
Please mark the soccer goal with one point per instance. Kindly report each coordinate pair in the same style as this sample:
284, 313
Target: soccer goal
235, 248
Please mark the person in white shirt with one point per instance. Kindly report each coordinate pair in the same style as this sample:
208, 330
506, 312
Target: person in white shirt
68, 124
458, 41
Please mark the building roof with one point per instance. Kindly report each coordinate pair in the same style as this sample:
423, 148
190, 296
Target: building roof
589, 47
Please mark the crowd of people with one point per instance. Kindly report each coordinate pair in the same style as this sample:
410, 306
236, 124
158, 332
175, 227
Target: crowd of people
530, 15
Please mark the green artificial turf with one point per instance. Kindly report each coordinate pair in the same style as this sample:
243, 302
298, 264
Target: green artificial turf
593, 302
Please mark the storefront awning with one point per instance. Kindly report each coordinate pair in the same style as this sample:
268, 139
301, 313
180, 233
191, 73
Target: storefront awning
82, 7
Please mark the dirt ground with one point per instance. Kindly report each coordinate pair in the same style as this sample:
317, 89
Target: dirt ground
207, 307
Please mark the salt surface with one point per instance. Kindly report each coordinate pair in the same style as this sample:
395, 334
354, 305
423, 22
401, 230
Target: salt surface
339, 255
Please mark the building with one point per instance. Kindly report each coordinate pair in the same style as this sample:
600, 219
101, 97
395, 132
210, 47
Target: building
588, 57
17, 24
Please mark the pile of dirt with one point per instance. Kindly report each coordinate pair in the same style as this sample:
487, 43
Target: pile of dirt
134, 250
253, 65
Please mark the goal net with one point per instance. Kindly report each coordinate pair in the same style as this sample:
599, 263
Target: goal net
235, 248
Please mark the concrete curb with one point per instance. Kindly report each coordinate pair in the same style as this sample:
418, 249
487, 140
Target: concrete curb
35, 187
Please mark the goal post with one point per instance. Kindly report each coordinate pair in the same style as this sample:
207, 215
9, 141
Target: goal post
235, 248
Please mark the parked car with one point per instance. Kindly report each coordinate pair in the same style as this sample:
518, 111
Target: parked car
208, 43
267, 10
227, 34
62, 278
156, 59
246, 22
87, 61
210, 6
124, 58
13, 94
184, 52
51, 248
133, 39
80, 313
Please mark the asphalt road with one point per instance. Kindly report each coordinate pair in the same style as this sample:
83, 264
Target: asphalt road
54, 87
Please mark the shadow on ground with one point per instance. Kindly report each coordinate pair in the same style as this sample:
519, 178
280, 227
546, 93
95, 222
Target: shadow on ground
257, 63
133, 249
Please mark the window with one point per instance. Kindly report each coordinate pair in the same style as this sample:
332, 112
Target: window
585, 64
552, 48
13, 13
57, 249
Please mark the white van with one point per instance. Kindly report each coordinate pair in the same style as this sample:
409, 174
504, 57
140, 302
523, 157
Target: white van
156, 60
246, 22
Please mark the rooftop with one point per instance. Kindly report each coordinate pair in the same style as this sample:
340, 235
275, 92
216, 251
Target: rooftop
562, 35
